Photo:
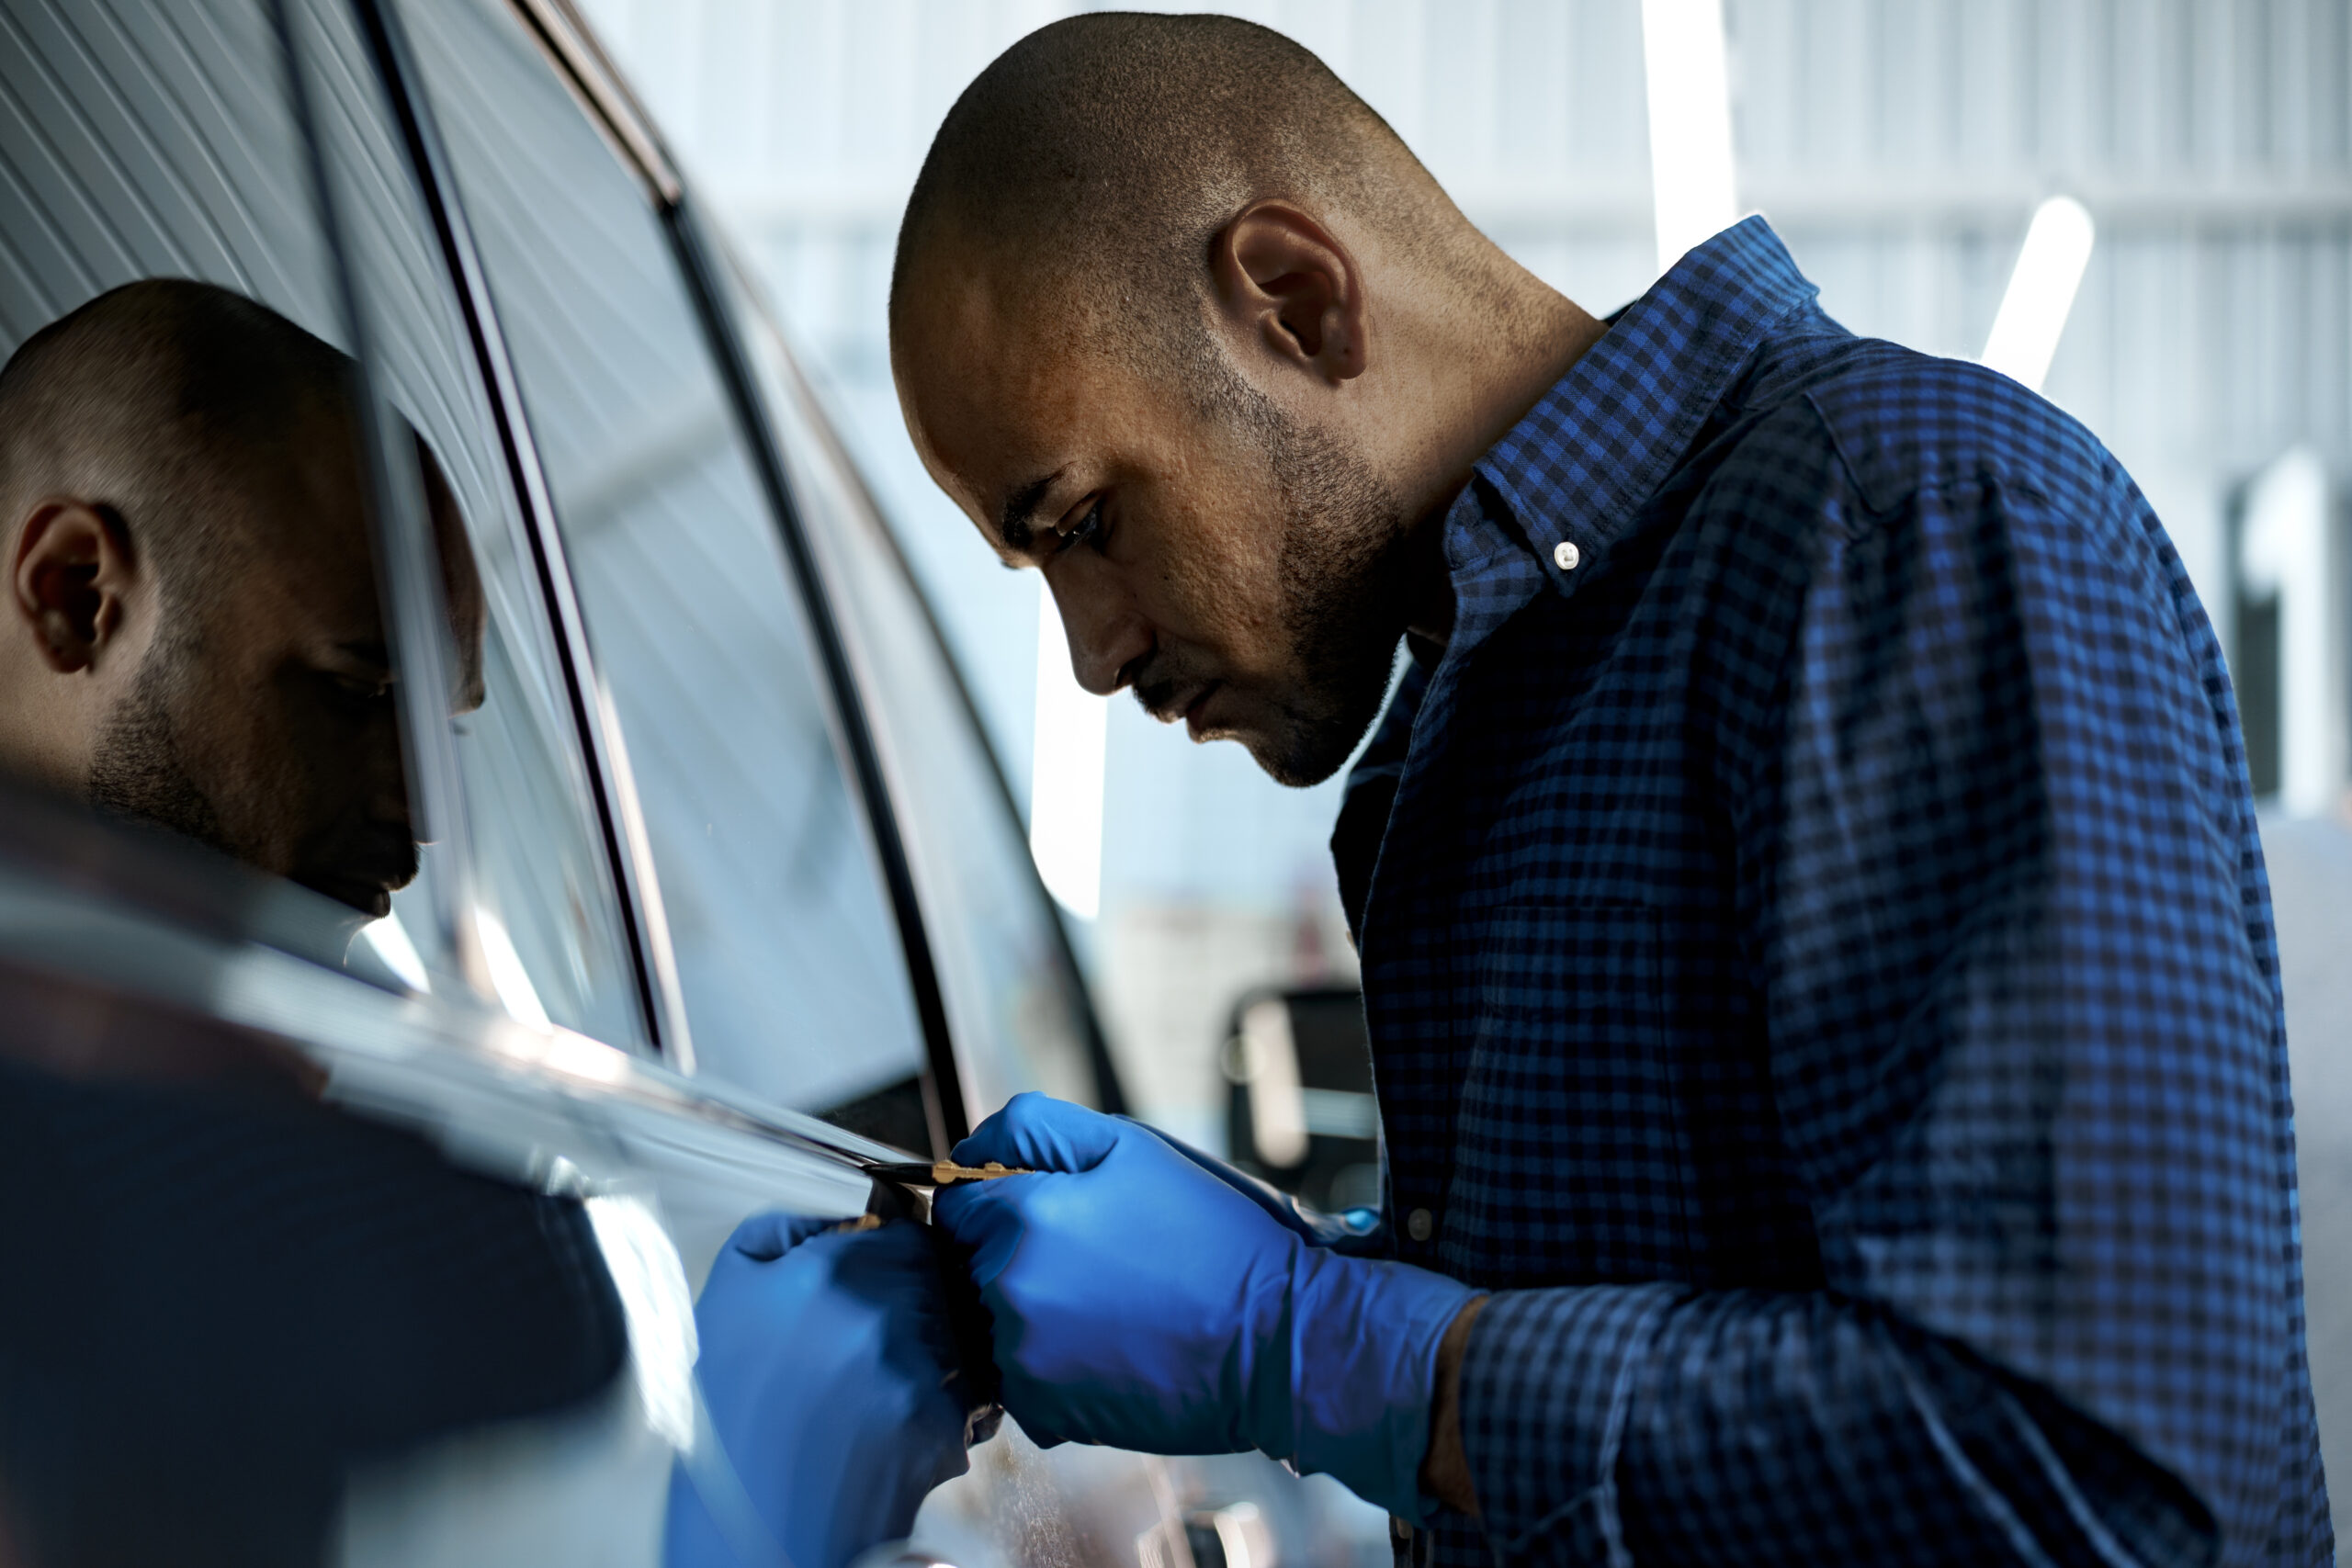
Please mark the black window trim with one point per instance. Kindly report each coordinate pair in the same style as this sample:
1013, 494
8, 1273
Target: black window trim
944, 1106
158, 897
407, 576
1107, 1086
627, 848
571, 46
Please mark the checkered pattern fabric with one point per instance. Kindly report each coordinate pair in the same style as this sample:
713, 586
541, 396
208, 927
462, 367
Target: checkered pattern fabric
1821, 977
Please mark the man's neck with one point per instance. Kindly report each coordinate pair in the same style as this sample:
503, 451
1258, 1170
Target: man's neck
1495, 400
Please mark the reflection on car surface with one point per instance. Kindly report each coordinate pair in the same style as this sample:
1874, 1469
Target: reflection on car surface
184, 468
482, 811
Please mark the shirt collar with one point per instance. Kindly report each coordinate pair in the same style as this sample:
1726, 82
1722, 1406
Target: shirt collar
1576, 470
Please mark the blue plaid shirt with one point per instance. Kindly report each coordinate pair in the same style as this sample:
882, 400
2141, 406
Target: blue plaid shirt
1821, 978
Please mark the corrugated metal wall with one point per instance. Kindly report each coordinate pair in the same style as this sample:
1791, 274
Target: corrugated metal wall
1899, 145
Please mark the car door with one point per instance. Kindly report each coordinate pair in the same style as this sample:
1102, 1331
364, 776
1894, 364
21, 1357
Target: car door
343, 1224
375, 1209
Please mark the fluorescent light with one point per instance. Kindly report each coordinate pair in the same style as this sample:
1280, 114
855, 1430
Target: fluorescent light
2287, 552
1066, 773
2042, 291
1689, 99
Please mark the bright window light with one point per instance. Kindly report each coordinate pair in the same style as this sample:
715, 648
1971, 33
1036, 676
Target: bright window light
1066, 773
1689, 98
2042, 291
391, 940
658, 1306
507, 975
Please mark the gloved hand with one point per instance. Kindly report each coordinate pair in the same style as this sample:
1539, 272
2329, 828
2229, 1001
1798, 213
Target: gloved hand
1141, 1301
826, 1365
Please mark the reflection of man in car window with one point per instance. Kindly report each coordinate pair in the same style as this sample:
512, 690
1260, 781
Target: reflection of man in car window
192, 635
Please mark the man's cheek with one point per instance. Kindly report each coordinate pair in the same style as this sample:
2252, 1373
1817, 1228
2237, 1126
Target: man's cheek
276, 777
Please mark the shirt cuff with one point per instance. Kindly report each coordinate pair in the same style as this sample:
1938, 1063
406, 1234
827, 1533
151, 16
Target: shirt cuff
1548, 1384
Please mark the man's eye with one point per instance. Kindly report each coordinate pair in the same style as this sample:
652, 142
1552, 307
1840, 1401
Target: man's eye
358, 690
1088, 528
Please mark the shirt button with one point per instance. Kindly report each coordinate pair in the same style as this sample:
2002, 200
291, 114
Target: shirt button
1564, 554
1418, 1225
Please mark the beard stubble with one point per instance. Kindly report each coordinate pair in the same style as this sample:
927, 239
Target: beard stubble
135, 769
1345, 589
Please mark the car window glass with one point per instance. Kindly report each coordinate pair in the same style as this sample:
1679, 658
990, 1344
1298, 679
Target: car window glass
226, 1292
550, 933
179, 384
1013, 996
787, 949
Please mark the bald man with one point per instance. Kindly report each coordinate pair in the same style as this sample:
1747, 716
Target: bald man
1815, 945
192, 636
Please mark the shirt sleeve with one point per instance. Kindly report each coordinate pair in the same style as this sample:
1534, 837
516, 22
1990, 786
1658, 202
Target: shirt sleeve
2004, 910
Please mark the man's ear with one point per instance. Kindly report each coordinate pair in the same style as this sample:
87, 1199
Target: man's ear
70, 580
1282, 277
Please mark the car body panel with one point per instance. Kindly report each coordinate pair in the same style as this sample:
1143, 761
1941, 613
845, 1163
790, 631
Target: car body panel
523, 1017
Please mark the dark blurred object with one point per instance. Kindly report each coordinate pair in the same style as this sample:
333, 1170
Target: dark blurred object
982, 1386
222, 1295
1300, 1110
905, 1115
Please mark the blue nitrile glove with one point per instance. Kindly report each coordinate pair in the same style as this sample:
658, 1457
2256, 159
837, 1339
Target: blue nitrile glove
826, 1365
1141, 1301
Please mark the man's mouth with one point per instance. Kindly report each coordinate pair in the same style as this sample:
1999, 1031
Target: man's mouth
367, 876
370, 898
1195, 711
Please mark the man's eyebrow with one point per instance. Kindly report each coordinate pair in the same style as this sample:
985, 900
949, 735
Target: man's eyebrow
1016, 524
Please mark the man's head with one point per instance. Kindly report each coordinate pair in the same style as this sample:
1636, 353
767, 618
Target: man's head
1179, 319
192, 635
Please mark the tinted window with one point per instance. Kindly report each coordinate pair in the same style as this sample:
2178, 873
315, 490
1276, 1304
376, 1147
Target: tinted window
537, 901
787, 949
224, 1292
151, 146
181, 436
1013, 995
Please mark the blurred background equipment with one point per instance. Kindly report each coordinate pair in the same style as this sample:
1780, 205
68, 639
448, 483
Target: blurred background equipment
2145, 210
1300, 1112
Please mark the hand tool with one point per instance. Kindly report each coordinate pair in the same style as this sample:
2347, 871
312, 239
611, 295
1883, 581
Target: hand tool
942, 1172
903, 1191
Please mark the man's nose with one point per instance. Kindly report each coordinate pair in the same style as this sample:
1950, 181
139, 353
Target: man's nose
383, 768
1108, 640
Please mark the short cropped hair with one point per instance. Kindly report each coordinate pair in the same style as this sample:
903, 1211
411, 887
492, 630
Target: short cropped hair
152, 401
1126, 139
